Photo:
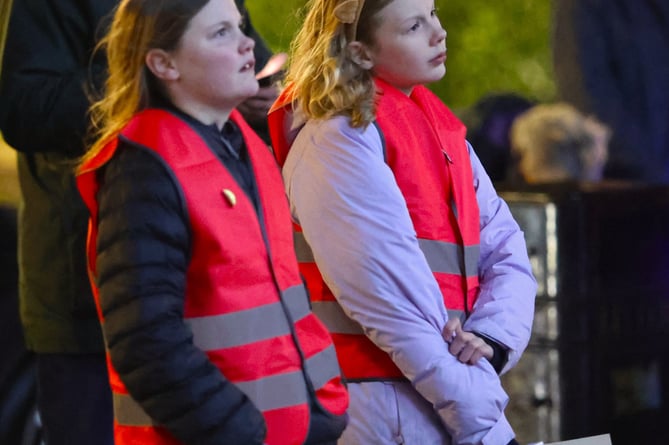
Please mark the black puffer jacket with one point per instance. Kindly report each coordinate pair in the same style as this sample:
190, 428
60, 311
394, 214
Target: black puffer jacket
143, 254
143, 224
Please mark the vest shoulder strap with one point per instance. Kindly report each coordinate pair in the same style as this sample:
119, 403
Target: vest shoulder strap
383, 140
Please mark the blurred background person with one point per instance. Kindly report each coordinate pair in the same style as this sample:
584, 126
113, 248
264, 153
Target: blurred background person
47, 74
555, 143
488, 124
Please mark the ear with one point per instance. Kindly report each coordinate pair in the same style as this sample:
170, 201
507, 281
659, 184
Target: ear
161, 64
360, 54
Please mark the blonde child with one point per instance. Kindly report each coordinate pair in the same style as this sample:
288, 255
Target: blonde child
403, 241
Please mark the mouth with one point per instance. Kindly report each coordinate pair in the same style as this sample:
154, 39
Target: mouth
439, 59
248, 66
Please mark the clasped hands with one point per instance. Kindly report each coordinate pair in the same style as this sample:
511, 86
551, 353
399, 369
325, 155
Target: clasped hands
467, 347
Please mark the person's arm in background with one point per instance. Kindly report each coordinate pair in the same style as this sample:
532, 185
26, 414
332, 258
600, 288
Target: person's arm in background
355, 220
504, 310
254, 109
47, 68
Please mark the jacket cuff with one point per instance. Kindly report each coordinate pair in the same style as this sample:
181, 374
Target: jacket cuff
500, 355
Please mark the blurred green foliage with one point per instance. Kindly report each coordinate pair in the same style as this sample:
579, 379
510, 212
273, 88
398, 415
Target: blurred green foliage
500, 46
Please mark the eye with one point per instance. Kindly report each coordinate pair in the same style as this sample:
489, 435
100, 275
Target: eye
414, 27
434, 12
222, 31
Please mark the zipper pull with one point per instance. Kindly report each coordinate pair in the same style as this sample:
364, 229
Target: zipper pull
447, 156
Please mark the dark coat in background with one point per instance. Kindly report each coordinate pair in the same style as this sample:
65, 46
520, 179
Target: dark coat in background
43, 103
611, 59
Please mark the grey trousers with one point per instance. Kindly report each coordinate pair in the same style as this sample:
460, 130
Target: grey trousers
391, 413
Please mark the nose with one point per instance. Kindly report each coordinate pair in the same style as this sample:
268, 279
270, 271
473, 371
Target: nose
247, 44
440, 34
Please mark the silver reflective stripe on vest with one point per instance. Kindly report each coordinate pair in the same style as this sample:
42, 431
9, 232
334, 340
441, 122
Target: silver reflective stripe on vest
128, 412
454, 313
297, 302
269, 393
323, 367
243, 327
251, 325
302, 250
277, 391
333, 316
445, 257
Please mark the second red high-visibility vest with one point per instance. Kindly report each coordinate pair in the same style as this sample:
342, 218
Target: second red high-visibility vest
426, 150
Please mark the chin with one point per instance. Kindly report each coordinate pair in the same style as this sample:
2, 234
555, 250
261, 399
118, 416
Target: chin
434, 79
436, 70
439, 73
253, 89
431, 79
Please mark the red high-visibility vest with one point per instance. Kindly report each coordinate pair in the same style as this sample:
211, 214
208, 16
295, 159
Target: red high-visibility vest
426, 150
245, 301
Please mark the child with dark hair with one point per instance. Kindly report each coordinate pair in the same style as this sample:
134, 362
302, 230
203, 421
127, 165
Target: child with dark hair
206, 320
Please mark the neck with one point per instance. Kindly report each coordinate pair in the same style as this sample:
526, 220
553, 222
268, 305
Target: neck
206, 115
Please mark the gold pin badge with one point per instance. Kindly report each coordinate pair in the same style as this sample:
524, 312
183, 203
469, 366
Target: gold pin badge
230, 197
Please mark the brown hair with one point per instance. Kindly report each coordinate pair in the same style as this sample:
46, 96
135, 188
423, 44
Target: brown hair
137, 27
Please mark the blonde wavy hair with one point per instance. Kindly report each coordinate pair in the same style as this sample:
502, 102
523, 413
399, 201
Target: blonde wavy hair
325, 79
137, 27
